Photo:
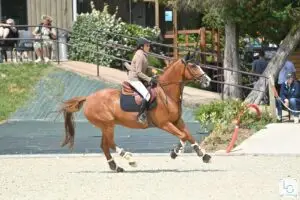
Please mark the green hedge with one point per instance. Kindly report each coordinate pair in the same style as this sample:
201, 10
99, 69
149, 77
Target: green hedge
96, 27
219, 117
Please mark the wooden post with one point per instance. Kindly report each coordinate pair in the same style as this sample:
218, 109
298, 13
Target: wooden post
203, 44
217, 40
175, 30
213, 33
271, 85
157, 13
186, 39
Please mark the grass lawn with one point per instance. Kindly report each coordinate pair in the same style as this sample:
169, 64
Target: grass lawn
17, 82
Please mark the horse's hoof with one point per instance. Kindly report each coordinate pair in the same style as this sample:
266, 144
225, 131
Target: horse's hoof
206, 158
173, 154
133, 164
120, 169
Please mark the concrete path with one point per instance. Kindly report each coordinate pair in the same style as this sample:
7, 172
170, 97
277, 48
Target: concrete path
191, 96
155, 178
278, 138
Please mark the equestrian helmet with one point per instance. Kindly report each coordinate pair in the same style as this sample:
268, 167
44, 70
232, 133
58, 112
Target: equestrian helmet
141, 41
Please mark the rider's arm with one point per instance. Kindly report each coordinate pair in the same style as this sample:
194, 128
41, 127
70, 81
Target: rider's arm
139, 66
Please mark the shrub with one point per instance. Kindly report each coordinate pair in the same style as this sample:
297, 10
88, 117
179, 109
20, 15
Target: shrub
97, 27
218, 118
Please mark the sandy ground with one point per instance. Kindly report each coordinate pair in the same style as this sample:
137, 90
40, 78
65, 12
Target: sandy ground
156, 177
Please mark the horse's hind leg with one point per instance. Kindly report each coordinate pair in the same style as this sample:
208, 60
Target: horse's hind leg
124, 154
105, 145
109, 134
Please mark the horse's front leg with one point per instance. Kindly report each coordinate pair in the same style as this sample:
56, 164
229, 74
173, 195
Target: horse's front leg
200, 152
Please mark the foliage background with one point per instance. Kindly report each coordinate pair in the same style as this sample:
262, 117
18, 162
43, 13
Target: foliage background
17, 85
219, 119
97, 27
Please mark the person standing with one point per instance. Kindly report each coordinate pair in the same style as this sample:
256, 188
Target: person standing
288, 68
259, 65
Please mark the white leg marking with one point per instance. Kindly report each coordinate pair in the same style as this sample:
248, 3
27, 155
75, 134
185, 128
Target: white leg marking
202, 150
127, 156
183, 144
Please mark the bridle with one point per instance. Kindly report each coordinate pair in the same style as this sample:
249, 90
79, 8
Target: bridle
182, 82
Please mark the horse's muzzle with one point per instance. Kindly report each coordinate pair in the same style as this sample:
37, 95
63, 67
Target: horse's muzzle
205, 81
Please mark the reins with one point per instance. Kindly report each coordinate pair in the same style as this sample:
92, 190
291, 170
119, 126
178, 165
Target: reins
181, 83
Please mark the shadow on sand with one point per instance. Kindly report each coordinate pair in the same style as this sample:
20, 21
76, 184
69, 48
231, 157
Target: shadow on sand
153, 171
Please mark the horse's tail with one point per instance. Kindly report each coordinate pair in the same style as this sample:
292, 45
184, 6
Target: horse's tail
68, 108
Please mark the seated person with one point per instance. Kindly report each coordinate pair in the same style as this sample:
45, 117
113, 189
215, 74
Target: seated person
8, 30
287, 68
47, 33
290, 95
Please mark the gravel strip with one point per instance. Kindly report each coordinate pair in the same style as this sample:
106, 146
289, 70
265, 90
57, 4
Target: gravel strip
156, 177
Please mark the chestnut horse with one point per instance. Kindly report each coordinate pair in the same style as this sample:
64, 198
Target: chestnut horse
103, 109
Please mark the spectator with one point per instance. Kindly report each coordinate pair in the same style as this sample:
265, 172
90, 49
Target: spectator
8, 30
259, 65
288, 68
47, 33
290, 95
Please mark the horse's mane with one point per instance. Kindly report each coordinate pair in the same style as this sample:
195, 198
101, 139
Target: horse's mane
170, 64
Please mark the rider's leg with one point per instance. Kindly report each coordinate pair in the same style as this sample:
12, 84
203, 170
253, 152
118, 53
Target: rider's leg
139, 86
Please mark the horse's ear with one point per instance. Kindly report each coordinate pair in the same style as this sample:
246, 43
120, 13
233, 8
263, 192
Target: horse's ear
194, 55
186, 57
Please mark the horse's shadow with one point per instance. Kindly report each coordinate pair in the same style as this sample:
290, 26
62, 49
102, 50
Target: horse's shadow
152, 171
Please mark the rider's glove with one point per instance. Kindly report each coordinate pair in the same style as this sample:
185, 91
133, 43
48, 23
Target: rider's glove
153, 81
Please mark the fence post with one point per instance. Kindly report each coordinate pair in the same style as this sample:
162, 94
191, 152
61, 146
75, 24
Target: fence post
97, 43
175, 31
57, 46
203, 43
271, 85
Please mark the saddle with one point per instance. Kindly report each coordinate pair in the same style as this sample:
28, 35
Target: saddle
131, 99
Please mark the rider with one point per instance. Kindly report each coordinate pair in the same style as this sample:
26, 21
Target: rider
137, 75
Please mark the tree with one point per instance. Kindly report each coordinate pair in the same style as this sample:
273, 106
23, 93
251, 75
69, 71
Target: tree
289, 35
219, 13
274, 66
269, 19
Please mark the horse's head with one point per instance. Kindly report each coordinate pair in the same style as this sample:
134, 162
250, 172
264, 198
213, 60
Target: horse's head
191, 71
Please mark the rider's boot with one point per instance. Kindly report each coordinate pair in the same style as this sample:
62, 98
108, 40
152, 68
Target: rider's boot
142, 116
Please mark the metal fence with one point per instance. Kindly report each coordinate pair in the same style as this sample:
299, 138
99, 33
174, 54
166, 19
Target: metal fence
61, 39
26, 44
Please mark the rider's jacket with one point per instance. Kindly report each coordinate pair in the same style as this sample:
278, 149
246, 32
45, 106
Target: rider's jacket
139, 67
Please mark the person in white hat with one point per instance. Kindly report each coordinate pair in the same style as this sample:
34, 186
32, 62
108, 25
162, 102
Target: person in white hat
45, 32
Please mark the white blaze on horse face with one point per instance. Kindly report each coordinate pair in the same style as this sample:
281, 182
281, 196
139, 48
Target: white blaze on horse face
200, 69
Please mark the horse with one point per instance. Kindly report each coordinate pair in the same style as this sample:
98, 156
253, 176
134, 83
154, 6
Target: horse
110, 106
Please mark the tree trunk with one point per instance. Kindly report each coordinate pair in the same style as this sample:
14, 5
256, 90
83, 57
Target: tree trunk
231, 61
287, 46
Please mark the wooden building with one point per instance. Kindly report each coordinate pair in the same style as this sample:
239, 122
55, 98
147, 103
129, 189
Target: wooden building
144, 13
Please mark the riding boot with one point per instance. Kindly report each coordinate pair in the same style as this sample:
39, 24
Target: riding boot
142, 116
